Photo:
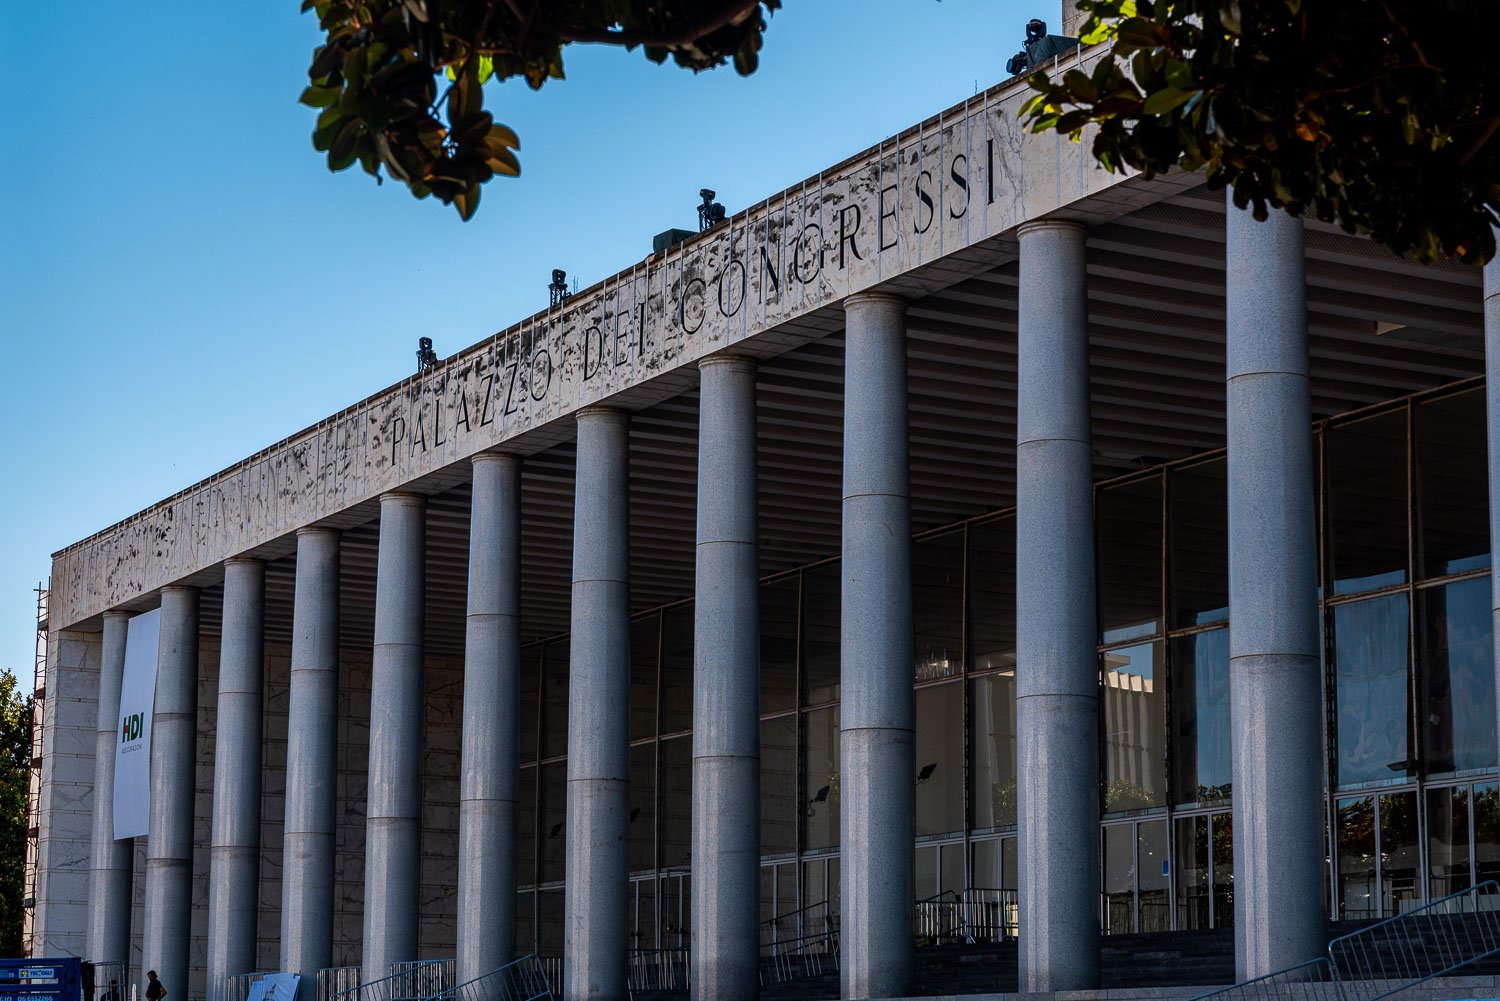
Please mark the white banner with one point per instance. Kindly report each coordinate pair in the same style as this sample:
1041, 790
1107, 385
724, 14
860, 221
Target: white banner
133, 740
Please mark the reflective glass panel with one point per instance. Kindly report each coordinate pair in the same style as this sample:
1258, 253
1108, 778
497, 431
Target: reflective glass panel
526, 827
821, 779
1222, 833
1457, 675
992, 594
993, 750
530, 700
555, 700
1400, 874
677, 669
925, 871
986, 862
1370, 654
525, 922
778, 645
951, 868
1356, 861
1153, 866
1200, 718
1134, 710
1130, 540
820, 885
1366, 464
643, 643
1447, 840
940, 759
553, 832
1452, 485
674, 907
1198, 521
778, 785
937, 579
1192, 872
676, 801
549, 939
1009, 874
642, 847
1486, 821
1119, 879
643, 912
820, 634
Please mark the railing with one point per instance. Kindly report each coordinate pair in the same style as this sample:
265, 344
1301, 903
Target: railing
1427, 942
523, 980
109, 981
237, 985
657, 970
1389, 956
978, 914
939, 919
800, 943
336, 980
414, 981
796, 925
552, 967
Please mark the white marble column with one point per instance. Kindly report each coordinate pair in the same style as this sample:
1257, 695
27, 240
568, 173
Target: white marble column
234, 859
167, 921
877, 774
1275, 694
491, 721
1492, 432
113, 861
307, 865
1057, 666
726, 690
393, 822
594, 932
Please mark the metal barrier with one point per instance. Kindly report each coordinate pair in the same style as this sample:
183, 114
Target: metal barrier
939, 919
552, 967
237, 985
794, 926
1389, 956
336, 980
978, 914
414, 981
109, 981
523, 980
1430, 941
796, 959
657, 970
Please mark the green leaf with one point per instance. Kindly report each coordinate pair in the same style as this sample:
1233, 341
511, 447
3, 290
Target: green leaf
319, 97
1165, 100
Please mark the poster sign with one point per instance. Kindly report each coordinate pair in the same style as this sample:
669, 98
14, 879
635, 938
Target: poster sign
133, 733
275, 987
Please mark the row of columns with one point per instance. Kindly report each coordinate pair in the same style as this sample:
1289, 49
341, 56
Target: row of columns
1274, 681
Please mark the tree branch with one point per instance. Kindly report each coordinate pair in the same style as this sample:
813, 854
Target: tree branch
732, 12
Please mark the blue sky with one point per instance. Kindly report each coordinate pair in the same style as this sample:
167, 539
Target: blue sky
182, 282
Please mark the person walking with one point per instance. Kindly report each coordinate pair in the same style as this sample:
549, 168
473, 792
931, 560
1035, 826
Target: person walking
155, 989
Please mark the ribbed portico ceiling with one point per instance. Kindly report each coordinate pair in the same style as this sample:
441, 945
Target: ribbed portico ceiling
1156, 308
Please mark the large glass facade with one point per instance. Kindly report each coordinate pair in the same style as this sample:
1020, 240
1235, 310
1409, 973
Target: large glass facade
1413, 804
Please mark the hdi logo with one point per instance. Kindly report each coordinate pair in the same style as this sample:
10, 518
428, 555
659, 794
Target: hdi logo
131, 727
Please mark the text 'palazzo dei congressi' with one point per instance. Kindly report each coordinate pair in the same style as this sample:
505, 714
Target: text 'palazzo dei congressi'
963, 523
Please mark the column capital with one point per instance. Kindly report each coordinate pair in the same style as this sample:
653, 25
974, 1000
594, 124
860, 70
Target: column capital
320, 530
179, 589
739, 362
248, 561
1064, 225
603, 414
506, 458
117, 613
876, 298
403, 498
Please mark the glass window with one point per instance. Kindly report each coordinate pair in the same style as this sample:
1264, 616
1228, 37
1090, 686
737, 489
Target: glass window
1448, 840
555, 700
1200, 718
1153, 868
1130, 560
553, 833
1198, 533
1192, 873
925, 872
526, 826
550, 922
820, 634
1366, 464
642, 920
642, 794
778, 785
1452, 485
992, 594
1134, 712
1370, 654
820, 885
993, 750
1119, 879
530, 700
1400, 876
937, 572
1457, 675
1356, 861
778, 645
676, 802
643, 643
677, 669
821, 779
1486, 832
985, 857
525, 922
940, 759
1222, 833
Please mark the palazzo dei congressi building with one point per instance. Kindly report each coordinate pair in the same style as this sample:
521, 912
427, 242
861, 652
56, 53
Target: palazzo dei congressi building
963, 520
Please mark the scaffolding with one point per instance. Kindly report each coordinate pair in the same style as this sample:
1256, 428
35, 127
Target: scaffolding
34, 792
